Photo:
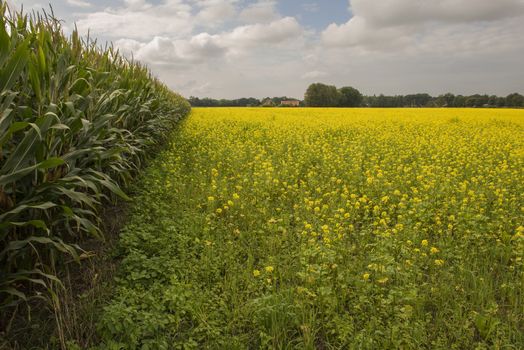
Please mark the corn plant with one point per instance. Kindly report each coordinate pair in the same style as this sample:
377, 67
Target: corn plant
76, 124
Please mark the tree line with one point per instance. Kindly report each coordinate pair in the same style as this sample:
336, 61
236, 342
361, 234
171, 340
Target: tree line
210, 102
322, 95
513, 100
241, 102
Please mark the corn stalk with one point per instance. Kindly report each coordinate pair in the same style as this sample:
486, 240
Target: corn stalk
76, 123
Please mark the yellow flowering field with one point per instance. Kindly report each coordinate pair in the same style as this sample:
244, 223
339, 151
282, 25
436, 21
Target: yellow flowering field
327, 229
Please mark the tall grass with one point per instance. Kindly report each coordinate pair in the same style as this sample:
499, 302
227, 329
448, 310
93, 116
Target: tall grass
76, 123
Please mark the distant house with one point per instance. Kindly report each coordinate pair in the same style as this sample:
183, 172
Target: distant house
290, 103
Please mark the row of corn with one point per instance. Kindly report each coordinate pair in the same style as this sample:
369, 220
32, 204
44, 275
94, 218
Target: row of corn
76, 124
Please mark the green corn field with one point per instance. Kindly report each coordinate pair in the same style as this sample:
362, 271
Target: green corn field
76, 122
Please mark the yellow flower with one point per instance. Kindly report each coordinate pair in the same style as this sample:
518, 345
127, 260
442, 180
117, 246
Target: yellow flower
256, 273
433, 250
211, 198
519, 233
424, 243
439, 262
383, 280
366, 276
219, 210
269, 269
236, 196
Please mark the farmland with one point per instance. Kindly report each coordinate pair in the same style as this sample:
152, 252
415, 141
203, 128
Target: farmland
328, 229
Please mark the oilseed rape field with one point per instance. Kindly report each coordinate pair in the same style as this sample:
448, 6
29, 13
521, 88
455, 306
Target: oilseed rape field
275, 228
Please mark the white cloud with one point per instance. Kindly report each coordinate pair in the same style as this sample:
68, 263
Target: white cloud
139, 20
358, 32
401, 12
314, 74
260, 12
165, 51
79, 3
215, 12
137, 5
414, 24
201, 47
201, 89
160, 50
128, 47
204, 46
29, 6
276, 32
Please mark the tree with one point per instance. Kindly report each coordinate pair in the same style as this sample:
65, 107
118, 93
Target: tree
349, 97
194, 101
459, 101
448, 99
501, 101
472, 101
320, 95
515, 100
477, 100
492, 101
416, 100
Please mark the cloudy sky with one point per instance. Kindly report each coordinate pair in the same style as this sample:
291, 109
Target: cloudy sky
241, 48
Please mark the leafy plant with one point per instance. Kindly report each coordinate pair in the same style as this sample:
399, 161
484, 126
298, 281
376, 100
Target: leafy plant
76, 123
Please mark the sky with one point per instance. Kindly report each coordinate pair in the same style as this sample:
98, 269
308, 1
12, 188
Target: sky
259, 48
